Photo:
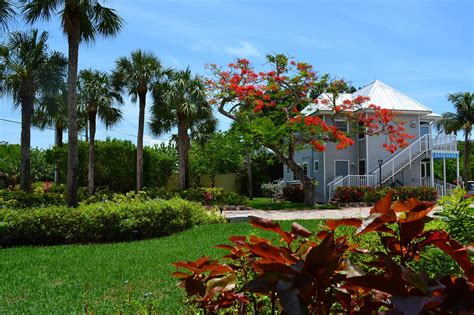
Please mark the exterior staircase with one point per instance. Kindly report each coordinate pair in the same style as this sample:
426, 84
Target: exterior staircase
396, 163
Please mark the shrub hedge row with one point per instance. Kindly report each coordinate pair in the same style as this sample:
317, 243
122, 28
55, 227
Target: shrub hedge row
121, 219
372, 194
16, 199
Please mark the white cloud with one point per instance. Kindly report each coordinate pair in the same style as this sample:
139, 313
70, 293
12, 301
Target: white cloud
243, 49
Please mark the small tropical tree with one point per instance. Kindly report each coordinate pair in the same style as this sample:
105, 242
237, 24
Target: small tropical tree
462, 119
181, 102
26, 68
268, 105
6, 13
137, 76
98, 98
80, 21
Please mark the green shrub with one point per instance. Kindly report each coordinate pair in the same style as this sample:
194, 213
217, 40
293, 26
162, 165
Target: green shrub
41, 170
123, 218
17, 199
232, 198
294, 193
115, 164
458, 215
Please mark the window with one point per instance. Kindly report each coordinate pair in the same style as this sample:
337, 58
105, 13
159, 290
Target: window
361, 167
304, 166
287, 170
361, 127
341, 125
316, 166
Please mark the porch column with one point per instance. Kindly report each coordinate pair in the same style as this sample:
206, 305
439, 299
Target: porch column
444, 175
432, 170
457, 171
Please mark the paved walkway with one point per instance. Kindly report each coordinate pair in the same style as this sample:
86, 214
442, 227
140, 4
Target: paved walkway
243, 215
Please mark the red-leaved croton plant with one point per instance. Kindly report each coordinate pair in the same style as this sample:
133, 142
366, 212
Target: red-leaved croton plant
311, 273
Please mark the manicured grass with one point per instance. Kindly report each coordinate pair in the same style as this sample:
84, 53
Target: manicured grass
108, 278
263, 203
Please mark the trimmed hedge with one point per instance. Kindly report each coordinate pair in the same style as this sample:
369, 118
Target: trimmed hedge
56, 196
122, 219
372, 194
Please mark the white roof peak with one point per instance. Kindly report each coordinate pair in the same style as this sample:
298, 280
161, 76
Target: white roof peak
383, 95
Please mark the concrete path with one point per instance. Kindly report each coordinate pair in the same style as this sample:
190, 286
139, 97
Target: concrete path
244, 215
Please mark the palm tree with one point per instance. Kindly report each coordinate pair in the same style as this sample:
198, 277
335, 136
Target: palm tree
51, 107
136, 76
462, 119
26, 65
81, 20
6, 13
181, 102
98, 97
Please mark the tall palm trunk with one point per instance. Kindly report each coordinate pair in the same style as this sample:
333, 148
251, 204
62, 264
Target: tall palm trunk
467, 151
248, 164
183, 148
25, 165
73, 160
91, 164
58, 142
141, 126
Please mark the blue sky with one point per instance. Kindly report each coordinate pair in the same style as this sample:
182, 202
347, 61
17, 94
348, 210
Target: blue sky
423, 48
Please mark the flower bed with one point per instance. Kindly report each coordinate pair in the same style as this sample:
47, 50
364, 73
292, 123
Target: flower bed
372, 194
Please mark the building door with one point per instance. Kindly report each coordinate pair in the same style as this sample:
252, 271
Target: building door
341, 168
425, 174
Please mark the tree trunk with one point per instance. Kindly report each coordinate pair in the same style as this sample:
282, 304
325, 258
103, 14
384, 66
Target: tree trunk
183, 148
248, 164
25, 165
58, 141
467, 151
91, 163
73, 160
141, 126
300, 174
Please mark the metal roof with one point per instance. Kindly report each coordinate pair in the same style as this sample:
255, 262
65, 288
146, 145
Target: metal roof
380, 94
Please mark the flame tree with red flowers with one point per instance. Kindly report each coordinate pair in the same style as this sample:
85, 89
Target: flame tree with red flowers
268, 105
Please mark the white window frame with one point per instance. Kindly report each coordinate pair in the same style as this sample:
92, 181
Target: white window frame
348, 166
301, 165
344, 120
316, 169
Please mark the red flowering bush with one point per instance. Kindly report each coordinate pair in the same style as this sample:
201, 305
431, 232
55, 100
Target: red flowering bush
372, 194
311, 273
268, 105
293, 193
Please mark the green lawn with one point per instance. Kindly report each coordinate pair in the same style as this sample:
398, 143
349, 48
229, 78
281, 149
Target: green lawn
263, 203
73, 278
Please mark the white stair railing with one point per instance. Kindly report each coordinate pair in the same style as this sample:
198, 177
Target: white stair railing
398, 162
404, 158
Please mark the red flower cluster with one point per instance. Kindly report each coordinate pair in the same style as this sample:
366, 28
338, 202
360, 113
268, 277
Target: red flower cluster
285, 89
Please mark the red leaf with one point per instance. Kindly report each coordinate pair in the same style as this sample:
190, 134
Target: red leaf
334, 224
300, 230
383, 205
225, 246
269, 225
180, 275
375, 221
